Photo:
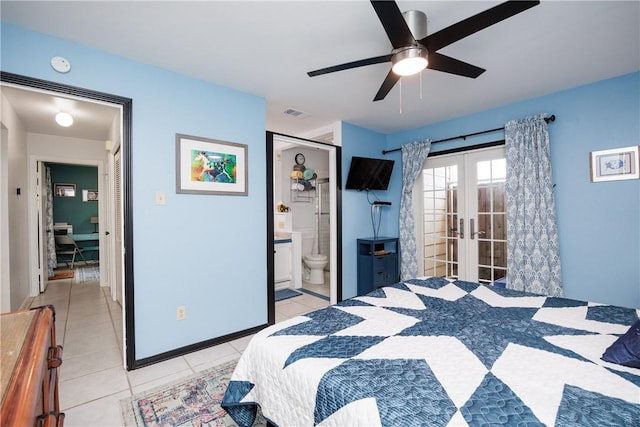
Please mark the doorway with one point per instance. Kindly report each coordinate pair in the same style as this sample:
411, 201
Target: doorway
462, 203
124, 140
65, 209
325, 215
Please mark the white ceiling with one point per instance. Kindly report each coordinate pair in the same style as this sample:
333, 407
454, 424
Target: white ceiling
37, 111
265, 48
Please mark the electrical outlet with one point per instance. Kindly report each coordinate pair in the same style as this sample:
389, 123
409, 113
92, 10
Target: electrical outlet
181, 312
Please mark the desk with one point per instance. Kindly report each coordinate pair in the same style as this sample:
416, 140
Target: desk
87, 242
89, 237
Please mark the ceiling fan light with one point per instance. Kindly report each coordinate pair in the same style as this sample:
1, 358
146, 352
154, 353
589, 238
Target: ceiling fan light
410, 61
64, 119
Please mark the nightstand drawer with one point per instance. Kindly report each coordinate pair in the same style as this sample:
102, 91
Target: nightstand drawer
379, 279
379, 264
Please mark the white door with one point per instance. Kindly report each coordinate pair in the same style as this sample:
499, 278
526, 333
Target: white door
41, 197
463, 216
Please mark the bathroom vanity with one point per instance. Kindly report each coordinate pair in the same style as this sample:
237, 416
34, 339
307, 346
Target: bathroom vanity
282, 262
287, 253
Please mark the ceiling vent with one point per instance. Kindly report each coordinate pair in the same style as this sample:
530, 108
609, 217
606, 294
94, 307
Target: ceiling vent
296, 113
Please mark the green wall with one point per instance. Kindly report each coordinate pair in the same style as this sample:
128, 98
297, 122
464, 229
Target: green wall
73, 210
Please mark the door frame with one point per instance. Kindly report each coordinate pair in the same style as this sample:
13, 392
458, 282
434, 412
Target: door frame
335, 172
126, 105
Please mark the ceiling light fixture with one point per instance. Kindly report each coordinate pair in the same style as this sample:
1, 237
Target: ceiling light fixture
409, 61
64, 119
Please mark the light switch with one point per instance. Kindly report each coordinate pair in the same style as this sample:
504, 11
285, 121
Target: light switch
161, 199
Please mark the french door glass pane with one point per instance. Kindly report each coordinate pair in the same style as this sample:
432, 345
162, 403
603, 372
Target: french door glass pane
440, 218
491, 229
499, 228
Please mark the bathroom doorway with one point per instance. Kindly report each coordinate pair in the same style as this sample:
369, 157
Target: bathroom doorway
304, 222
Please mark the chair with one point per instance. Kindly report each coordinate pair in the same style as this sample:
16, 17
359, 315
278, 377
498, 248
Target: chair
67, 247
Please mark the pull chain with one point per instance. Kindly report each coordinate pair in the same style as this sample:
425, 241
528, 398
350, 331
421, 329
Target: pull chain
400, 96
420, 85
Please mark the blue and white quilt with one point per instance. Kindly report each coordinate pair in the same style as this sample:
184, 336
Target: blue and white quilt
435, 352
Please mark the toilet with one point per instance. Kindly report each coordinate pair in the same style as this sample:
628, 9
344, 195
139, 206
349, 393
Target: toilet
314, 262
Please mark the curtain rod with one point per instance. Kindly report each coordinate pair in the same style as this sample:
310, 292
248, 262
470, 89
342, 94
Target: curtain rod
552, 118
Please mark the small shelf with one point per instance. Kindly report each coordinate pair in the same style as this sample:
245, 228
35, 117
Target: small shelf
302, 190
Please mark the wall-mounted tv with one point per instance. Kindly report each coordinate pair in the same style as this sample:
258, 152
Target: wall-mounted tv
369, 174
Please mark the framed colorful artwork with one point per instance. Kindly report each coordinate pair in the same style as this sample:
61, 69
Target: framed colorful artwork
210, 166
614, 165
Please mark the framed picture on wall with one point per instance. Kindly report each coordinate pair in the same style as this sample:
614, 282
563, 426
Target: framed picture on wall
209, 166
64, 190
614, 165
89, 195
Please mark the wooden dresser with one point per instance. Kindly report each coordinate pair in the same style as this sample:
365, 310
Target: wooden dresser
29, 375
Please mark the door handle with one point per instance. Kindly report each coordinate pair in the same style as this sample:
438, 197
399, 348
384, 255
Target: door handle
472, 233
458, 231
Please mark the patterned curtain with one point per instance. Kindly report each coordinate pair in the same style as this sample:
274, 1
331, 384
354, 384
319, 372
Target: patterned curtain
52, 260
413, 157
533, 264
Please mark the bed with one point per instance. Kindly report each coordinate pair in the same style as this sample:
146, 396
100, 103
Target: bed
438, 352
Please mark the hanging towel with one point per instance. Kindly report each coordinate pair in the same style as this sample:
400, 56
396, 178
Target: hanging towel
309, 173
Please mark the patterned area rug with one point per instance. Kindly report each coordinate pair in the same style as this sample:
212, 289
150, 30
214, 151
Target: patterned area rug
61, 274
189, 402
285, 294
87, 273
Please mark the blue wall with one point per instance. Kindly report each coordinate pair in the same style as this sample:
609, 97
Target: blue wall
599, 223
356, 211
195, 250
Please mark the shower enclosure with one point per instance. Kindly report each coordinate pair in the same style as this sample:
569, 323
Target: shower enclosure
322, 217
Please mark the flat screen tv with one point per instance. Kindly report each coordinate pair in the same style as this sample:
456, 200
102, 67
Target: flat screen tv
369, 174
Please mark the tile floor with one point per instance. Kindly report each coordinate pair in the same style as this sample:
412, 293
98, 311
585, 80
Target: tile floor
92, 377
319, 289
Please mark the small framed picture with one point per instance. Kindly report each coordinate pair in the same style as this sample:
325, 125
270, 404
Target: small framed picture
614, 165
89, 195
64, 190
209, 166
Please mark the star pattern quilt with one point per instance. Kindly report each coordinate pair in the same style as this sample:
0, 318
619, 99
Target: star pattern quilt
437, 352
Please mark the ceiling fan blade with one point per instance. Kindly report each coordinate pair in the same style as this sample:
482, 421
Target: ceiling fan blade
387, 85
440, 62
393, 23
478, 22
349, 65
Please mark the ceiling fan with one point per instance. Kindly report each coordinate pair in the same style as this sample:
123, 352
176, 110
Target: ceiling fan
414, 50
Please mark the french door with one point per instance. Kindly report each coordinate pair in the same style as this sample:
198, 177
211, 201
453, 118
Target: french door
462, 206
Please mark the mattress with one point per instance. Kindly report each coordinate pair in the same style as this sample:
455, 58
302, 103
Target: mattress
437, 352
